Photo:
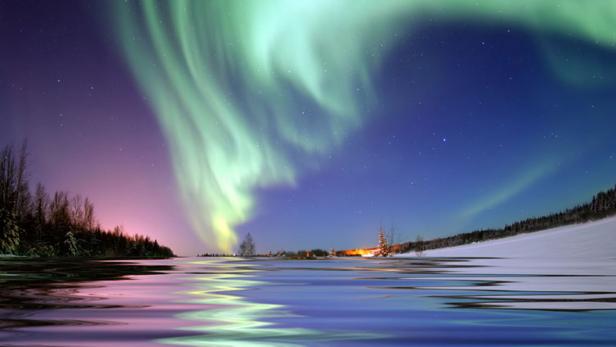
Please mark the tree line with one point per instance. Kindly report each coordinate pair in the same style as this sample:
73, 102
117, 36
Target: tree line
247, 248
602, 205
37, 223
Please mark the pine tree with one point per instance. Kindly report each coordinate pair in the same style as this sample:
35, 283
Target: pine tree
247, 247
384, 248
9, 232
72, 244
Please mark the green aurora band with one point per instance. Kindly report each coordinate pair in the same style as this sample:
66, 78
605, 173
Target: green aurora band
250, 93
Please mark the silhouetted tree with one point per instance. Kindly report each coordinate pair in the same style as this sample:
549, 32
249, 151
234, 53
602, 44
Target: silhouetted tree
317, 252
88, 214
419, 246
247, 247
41, 204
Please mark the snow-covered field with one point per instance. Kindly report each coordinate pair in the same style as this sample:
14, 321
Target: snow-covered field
589, 240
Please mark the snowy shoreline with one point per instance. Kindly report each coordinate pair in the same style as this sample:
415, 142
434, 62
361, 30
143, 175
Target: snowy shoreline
566, 268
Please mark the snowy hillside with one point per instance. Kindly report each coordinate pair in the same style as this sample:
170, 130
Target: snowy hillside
589, 240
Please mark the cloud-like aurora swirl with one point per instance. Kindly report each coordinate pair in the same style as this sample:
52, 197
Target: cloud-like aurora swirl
247, 92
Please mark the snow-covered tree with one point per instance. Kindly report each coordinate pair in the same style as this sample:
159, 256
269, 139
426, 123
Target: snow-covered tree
9, 232
384, 248
72, 244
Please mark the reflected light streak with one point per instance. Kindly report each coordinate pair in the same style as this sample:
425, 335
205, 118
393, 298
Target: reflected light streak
230, 319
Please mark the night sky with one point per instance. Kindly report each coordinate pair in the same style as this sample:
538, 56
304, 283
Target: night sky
311, 124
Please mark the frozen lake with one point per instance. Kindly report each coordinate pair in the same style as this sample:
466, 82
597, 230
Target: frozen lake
273, 302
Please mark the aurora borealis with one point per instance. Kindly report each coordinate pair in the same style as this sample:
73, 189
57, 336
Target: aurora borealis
312, 122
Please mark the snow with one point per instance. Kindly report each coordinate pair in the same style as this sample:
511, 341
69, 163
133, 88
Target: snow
592, 240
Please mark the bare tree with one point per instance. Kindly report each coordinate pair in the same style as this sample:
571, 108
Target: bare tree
7, 179
88, 214
22, 193
77, 211
59, 211
41, 204
391, 238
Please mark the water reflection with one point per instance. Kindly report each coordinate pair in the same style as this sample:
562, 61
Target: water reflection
563, 284
230, 319
28, 286
273, 302
227, 318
